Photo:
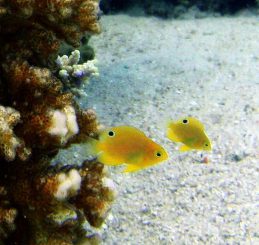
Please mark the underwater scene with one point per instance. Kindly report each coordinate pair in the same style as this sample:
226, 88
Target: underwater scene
128, 122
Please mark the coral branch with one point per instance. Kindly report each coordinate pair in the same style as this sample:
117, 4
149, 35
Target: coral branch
10, 144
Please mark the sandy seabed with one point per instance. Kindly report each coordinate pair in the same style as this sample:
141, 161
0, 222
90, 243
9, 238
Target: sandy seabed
152, 70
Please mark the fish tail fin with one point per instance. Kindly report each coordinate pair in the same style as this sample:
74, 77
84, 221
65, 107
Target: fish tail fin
169, 123
164, 122
131, 168
171, 134
90, 146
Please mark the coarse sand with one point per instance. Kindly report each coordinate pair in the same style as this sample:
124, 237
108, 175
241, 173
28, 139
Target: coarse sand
153, 70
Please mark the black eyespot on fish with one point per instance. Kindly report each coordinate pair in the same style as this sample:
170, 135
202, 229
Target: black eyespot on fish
185, 121
158, 154
111, 133
206, 144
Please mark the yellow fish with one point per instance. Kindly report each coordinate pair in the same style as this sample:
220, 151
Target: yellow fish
128, 145
190, 132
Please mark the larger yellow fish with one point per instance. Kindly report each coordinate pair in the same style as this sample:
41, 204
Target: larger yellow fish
130, 146
190, 132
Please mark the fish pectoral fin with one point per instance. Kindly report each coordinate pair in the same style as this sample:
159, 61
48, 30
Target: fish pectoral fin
134, 158
185, 148
190, 141
107, 160
172, 136
131, 168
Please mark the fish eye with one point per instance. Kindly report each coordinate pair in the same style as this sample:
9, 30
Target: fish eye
111, 133
206, 144
185, 121
158, 154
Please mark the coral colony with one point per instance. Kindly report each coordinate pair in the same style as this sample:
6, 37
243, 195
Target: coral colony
40, 203
74, 75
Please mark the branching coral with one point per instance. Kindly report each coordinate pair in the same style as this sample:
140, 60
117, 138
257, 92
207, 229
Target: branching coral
55, 204
74, 74
40, 203
10, 144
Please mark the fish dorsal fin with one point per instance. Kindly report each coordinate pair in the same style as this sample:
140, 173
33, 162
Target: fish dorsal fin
134, 130
185, 148
131, 168
196, 123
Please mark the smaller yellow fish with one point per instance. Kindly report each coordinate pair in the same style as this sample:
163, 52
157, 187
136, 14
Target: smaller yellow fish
190, 132
127, 145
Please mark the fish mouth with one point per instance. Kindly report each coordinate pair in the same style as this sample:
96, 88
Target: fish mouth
165, 155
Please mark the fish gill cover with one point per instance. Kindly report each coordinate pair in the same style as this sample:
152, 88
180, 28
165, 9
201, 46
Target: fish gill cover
41, 204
